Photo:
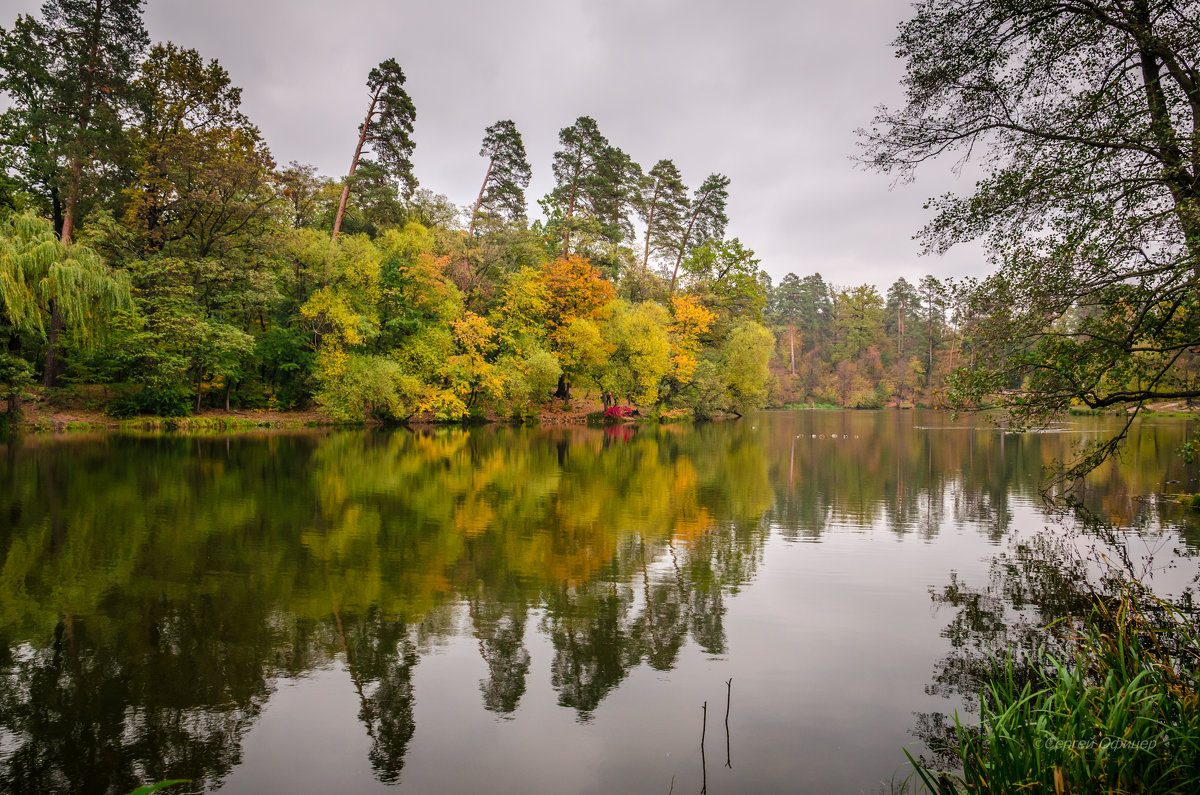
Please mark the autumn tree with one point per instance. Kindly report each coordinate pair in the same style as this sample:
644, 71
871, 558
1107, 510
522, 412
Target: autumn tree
573, 289
639, 335
689, 322
502, 193
388, 128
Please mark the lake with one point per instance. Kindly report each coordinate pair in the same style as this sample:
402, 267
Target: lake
533, 610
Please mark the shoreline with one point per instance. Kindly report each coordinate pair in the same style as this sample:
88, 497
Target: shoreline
39, 416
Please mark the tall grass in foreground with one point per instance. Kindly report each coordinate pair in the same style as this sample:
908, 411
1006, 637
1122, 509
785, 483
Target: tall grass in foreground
1123, 716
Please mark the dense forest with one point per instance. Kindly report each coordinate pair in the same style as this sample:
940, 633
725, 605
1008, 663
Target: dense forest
150, 243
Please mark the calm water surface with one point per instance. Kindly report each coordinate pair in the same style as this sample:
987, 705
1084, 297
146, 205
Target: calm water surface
524, 610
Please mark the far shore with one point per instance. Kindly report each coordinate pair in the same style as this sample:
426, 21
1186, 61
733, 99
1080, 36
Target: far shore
41, 415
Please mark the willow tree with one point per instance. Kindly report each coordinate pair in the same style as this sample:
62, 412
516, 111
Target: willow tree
507, 176
388, 128
47, 286
706, 219
67, 79
1085, 117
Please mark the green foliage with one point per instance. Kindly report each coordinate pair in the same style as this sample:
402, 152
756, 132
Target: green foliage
744, 369
706, 395
528, 379
152, 400
726, 277
39, 275
641, 351
1088, 201
16, 376
66, 79
583, 351
1122, 716
355, 386
857, 322
1189, 449
151, 788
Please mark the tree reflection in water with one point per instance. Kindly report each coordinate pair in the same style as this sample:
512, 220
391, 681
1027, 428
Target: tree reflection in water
1038, 592
155, 589
160, 586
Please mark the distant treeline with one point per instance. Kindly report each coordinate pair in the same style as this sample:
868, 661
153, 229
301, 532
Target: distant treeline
850, 346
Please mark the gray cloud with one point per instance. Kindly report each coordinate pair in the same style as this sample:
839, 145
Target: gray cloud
767, 92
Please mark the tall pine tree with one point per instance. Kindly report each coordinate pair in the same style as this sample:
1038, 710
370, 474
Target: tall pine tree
388, 127
508, 174
706, 219
575, 166
663, 206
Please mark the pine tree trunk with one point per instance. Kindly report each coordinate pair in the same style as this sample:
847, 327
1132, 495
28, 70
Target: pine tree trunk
649, 229
792, 345
567, 226
362, 139
482, 190
82, 121
56, 211
929, 372
687, 236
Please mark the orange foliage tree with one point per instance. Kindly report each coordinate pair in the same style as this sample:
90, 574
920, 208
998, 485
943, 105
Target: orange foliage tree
575, 290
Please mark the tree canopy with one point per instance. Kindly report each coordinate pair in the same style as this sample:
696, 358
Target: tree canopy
1085, 119
201, 273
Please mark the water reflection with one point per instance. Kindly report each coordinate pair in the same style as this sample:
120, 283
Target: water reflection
154, 590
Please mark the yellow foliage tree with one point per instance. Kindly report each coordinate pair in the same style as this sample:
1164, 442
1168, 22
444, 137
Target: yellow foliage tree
470, 371
689, 320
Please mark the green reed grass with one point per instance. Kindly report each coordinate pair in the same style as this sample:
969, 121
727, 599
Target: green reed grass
1122, 716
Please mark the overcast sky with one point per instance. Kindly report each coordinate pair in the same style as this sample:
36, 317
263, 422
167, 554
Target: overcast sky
768, 92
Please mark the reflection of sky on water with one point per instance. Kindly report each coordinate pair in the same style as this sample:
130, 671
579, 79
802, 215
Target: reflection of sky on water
329, 611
